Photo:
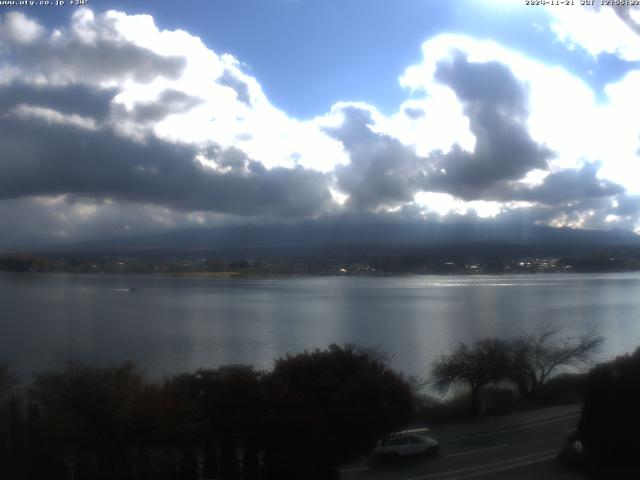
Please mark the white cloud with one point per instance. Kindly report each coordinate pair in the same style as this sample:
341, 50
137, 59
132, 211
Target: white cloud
15, 27
130, 54
563, 111
617, 132
444, 204
255, 126
51, 116
597, 30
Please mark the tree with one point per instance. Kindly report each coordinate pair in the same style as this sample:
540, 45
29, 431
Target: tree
13, 434
8, 379
214, 409
540, 354
182, 411
329, 407
486, 361
97, 412
610, 420
251, 463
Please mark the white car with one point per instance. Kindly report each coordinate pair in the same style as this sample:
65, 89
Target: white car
407, 443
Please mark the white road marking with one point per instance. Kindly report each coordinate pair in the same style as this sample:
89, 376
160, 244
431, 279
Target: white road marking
355, 469
505, 430
478, 450
527, 458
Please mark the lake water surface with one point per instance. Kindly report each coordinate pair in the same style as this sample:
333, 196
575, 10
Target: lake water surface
173, 324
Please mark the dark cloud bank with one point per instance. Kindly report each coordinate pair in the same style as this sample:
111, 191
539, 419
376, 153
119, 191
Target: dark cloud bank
43, 158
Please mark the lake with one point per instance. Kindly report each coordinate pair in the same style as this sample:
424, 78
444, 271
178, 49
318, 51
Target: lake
174, 324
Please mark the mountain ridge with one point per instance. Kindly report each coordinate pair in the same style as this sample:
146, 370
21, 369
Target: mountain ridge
311, 237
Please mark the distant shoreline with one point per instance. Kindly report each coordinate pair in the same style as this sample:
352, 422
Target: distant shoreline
370, 264
311, 274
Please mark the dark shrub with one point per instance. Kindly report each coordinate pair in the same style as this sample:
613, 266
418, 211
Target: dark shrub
610, 422
329, 407
565, 388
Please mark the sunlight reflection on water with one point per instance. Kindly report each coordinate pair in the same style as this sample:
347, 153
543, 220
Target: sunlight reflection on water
172, 324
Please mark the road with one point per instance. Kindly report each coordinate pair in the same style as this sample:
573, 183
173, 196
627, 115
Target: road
519, 452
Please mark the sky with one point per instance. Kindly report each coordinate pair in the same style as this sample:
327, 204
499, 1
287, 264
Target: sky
124, 118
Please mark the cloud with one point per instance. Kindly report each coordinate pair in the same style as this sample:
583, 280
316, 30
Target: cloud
92, 51
95, 122
382, 171
567, 186
16, 28
542, 111
495, 103
617, 26
80, 100
413, 113
630, 15
483, 85
137, 129
228, 79
628, 206
168, 102
50, 156
49, 220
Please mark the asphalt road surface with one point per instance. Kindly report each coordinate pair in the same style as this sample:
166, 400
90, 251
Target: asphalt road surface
520, 452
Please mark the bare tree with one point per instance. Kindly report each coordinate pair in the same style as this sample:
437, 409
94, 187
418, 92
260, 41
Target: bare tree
486, 361
538, 355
